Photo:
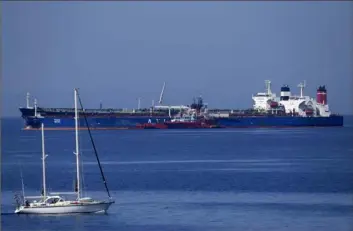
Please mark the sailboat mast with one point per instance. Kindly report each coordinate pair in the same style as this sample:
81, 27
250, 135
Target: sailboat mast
77, 151
43, 164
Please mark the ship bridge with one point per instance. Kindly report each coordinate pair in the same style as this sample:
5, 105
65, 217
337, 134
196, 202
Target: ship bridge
261, 98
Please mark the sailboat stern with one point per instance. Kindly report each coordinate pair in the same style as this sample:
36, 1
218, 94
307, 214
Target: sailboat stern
106, 205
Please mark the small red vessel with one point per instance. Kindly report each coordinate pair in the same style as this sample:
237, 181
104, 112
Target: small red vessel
151, 126
181, 122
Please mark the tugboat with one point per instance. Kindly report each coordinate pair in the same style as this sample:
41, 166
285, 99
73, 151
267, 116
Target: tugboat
151, 126
189, 120
184, 121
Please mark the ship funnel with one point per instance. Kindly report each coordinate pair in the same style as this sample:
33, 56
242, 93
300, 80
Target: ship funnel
285, 93
321, 95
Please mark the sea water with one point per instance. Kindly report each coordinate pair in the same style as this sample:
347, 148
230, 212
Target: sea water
218, 179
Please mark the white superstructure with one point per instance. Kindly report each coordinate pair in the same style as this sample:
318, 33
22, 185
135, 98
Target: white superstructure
261, 98
292, 104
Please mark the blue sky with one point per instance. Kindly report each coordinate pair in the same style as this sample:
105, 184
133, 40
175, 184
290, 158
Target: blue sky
118, 51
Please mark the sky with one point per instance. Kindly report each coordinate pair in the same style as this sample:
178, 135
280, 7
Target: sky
116, 52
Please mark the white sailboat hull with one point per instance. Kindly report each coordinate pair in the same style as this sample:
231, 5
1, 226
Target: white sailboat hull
64, 209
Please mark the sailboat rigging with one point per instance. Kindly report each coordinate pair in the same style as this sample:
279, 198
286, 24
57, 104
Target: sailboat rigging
17, 198
22, 183
94, 147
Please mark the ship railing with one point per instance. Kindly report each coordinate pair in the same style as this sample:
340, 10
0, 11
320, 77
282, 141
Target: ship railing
103, 110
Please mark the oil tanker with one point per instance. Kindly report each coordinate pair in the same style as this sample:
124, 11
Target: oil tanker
268, 110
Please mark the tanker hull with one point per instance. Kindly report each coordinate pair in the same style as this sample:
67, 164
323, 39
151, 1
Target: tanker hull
280, 121
111, 123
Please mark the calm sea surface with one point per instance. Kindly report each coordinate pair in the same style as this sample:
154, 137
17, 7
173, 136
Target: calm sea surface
242, 179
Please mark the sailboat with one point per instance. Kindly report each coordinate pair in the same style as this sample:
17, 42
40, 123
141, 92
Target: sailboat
56, 204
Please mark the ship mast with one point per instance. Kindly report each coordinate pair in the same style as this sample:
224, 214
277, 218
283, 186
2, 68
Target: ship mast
151, 110
161, 96
35, 107
268, 87
27, 99
302, 86
77, 151
138, 103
